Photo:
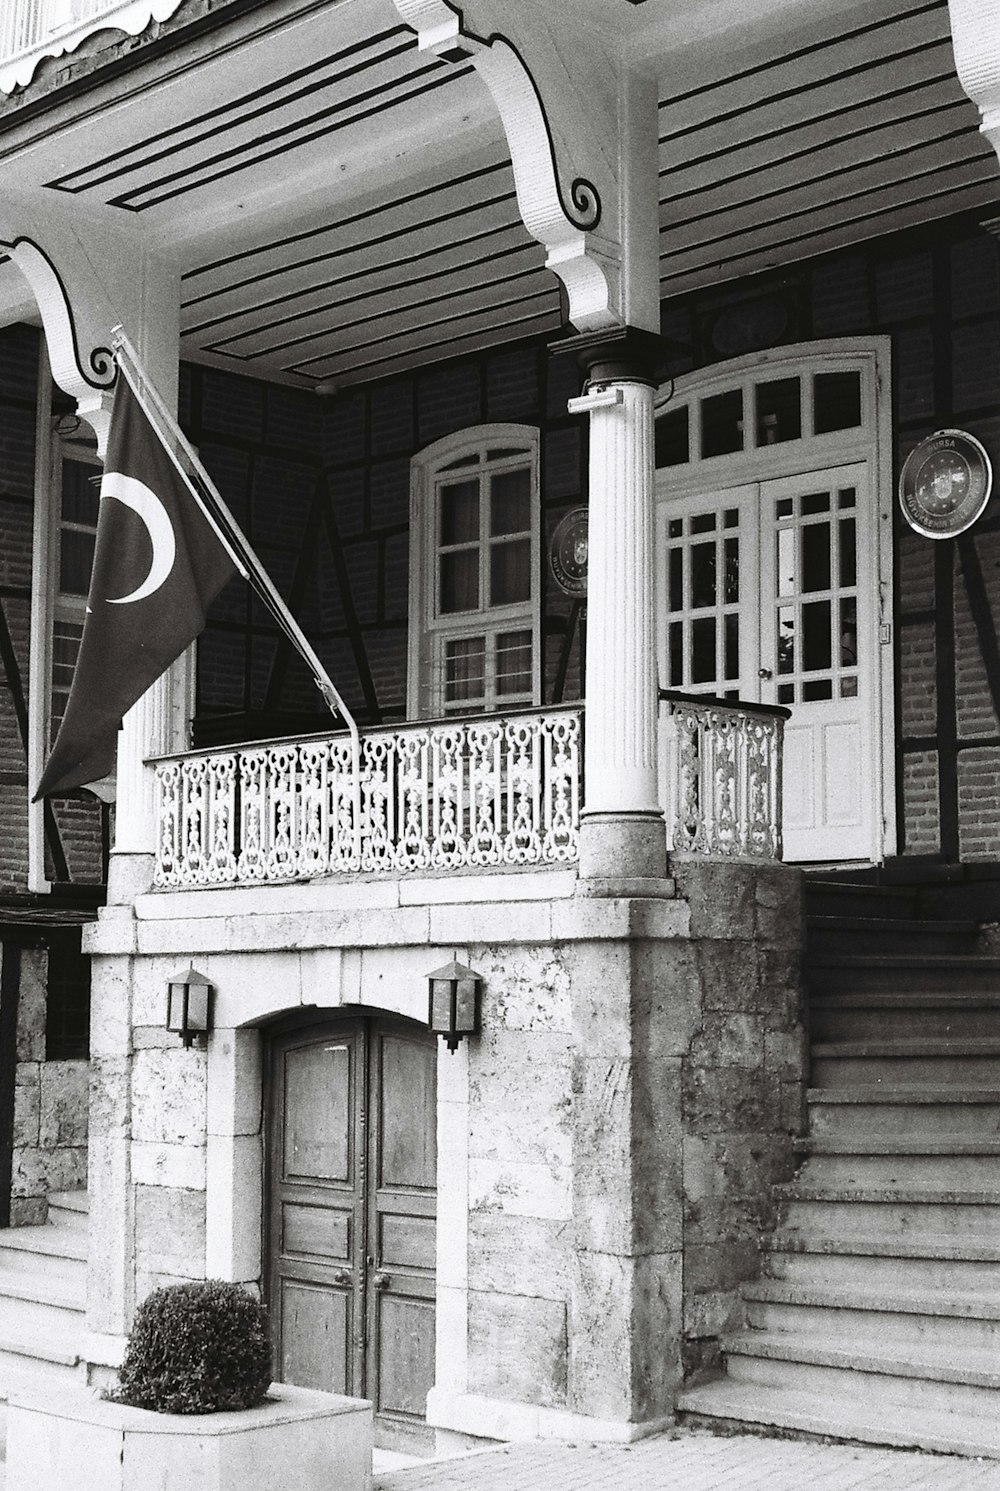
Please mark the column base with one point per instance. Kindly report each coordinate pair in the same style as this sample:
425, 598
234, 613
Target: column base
623, 854
130, 874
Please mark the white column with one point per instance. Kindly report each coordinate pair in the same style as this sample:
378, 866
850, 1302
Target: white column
624, 835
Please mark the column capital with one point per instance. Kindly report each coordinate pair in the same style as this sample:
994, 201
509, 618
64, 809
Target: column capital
628, 355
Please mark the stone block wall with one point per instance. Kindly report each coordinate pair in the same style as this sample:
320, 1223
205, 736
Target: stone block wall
50, 1106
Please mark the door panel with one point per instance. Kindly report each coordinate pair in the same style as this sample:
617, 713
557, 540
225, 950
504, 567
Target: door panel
817, 649
766, 595
352, 1205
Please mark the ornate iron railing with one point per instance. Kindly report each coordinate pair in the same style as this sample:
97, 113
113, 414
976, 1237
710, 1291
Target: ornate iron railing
485, 792
722, 776
33, 29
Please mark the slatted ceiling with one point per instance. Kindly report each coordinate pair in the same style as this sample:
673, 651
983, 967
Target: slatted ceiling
487, 307
822, 146
434, 208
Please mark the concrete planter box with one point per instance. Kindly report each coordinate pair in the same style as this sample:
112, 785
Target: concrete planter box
297, 1438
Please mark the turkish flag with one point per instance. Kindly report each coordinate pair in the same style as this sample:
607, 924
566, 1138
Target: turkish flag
158, 565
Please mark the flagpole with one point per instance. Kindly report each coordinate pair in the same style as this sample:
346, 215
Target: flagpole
236, 545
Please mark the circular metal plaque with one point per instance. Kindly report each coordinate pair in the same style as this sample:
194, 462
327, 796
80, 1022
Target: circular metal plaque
945, 483
568, 552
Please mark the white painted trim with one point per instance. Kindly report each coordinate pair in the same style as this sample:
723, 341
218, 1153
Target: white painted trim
130, 16
874, 445
40, 643
423, 470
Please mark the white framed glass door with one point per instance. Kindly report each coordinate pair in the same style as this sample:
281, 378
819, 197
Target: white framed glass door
767, 594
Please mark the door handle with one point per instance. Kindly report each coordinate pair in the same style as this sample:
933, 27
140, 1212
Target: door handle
764, 673
380, 1280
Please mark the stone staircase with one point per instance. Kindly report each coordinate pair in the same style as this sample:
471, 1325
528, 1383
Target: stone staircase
42, 1296
877, 1316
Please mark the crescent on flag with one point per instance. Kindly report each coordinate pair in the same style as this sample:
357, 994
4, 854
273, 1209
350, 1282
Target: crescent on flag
145, 503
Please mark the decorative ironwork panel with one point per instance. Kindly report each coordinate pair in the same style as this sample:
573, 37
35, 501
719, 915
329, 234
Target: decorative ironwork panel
480, 793
723, 780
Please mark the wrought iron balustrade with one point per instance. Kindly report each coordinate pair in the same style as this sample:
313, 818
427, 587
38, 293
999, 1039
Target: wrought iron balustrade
33, 29
464, 793
721, 770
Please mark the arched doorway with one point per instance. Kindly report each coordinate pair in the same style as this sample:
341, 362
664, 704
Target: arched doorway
351, 1206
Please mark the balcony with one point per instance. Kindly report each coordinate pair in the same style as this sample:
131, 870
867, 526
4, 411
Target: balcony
484, 793
33, 29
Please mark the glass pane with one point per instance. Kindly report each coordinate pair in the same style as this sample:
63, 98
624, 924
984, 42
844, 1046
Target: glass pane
786, 693
460, 581
732, 645
514, 663
76, 559
703, 523
785, 507
786, 561
460, 512
510, 572
779, 411
816, 652
676, 527
731, 517
816, 502
703, 574
80, 493
465, 668
816, 556
732, 579
837, 401
676, 645
848, 632
722, 423
510, 504
504, 452
703, 650
462, 461
817, 688
845, 497
786, 639
848, 553
672, 448
676, 571
848, 688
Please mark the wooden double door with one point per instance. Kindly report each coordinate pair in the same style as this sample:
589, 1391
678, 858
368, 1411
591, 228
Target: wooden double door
351, 1208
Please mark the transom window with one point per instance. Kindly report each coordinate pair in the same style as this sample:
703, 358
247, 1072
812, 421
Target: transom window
760, 410
476, 555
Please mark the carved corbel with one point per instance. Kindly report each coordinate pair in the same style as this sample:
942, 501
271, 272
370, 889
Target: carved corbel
975, 32
549, 117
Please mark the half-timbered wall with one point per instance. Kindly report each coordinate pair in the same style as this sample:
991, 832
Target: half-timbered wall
323, 488
937, 294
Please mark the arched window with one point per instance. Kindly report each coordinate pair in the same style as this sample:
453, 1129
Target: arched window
474, 562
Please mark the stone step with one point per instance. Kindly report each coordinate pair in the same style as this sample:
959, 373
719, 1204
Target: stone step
884, 936
36, 1303
921, 1166
922, 1014
889, 1210
870, 1373
54, 1250
941, 1062
69, 1209
897, 1109
838, 898
945, 1321
727, 1402
898, 973
872, 1262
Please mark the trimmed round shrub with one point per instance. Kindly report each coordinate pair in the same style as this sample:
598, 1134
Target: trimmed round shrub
197, 1348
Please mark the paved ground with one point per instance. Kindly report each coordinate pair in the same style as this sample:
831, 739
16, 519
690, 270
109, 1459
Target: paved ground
695, 1462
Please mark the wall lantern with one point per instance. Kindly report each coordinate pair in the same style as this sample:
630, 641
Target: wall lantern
453, 1002
189, 1007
